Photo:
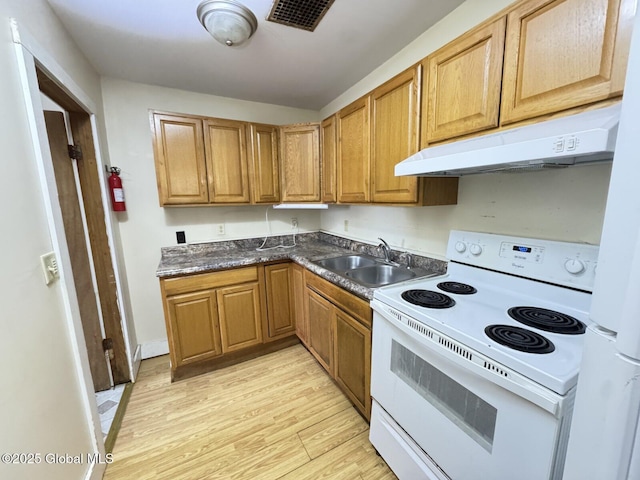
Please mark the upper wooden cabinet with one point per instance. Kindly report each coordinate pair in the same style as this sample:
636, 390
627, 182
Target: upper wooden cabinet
561, 54
264, 169
300, 163
395, 126
374, 134
353, 152
226, 155
461, 86
201, 160
328, 166
180, 165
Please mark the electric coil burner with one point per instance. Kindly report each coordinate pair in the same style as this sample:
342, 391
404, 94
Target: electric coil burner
428, 299
519, 339
547, 320
457, 288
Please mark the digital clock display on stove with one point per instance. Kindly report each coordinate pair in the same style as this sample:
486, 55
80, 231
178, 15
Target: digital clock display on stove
517, 248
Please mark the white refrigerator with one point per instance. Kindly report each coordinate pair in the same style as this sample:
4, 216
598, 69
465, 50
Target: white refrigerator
604, 443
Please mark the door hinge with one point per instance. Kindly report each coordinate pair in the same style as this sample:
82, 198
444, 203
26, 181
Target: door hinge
107, 346
75, 152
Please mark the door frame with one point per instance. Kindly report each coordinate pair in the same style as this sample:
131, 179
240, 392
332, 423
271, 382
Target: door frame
31, 56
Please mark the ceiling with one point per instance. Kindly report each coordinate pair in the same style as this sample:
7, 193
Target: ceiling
161, 42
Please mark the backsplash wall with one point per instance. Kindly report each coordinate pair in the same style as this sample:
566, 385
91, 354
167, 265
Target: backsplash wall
566, 204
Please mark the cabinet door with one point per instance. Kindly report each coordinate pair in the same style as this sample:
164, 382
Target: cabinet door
300, 163
353, 360
180, 160
300, 314
240, 316
194, 328
280, 305
328, 173
321, 314
263, 165
395, 130
561, 54
226, 153
461, 91
353, 152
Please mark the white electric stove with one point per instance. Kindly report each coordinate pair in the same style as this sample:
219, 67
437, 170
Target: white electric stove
485, 358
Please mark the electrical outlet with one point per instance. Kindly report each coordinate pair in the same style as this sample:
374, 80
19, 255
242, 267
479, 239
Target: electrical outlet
220, 229
180, 237
346, 225
294, 222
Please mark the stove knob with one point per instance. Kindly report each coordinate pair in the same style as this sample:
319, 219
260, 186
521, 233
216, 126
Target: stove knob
460, 247
475, 249
574, 266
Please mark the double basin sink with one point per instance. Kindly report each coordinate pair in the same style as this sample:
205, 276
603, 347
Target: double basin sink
366, 270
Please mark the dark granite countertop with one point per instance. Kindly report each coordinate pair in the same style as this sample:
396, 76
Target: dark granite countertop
208, 257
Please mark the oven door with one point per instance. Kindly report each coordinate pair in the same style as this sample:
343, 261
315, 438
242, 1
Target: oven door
472, 418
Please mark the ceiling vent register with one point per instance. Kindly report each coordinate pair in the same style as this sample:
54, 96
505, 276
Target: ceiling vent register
303, 14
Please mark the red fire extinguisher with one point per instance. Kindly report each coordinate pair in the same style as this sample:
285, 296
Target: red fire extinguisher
116, 191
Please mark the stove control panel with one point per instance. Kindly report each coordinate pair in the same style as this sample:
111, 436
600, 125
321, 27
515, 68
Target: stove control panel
561, 263
522, 252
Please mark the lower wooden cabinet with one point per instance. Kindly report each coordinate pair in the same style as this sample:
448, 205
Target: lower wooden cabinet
298, 289
240, 316
193, 319
352, 360
218, 318
321, 314
339, 336
280, 300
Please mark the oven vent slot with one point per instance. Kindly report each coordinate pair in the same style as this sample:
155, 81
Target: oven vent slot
454, 347
491, 367
420, 328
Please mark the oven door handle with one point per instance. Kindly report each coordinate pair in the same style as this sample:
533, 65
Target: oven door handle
471, 360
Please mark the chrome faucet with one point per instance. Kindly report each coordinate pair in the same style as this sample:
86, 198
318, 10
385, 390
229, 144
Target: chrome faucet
386, 250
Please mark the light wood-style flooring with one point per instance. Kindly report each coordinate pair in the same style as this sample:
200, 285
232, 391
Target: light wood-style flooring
279, 416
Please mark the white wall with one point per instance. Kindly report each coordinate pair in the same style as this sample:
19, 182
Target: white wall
562, 205
146, 227
42, 403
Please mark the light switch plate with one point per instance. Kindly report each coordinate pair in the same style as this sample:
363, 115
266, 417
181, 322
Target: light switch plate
49, 267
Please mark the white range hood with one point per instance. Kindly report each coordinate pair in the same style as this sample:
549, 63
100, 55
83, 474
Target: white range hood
584, 137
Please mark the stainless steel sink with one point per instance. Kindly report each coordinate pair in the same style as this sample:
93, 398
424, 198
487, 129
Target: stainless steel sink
348, 262
378, 275
366, 270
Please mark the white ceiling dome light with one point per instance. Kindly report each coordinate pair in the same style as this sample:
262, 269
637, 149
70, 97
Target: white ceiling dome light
228, 21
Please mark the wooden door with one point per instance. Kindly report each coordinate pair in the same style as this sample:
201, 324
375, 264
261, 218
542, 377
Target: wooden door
264, 164
90, 185
240, 313
180, 161
298, 291
76, 242
328, 170
395, 122
321, 315
353, 152
280, 302
300, 163
353, 360
461, 86
195, 329
226, 155
561, 54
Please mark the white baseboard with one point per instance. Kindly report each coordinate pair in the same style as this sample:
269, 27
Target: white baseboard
154, 349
